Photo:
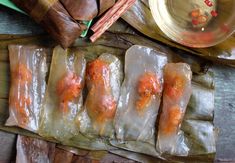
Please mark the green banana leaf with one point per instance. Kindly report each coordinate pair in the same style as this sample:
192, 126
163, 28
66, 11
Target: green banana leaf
139, 16
110, 42
149, 159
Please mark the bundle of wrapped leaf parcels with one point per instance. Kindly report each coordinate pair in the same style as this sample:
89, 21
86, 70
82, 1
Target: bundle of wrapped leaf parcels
64, 19
96, 105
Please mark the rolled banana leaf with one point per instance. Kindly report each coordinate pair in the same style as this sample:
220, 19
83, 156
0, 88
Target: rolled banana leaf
54, 18
139, 16
108, 43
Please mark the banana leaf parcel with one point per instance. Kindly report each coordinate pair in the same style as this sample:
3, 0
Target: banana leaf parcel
64, 20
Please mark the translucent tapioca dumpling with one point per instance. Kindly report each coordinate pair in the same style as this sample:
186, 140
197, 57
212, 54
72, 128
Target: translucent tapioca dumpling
28, 85
176, 95
140, 94
63, 99
103, 80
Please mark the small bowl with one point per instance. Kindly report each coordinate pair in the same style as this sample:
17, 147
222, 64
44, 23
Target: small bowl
195, 23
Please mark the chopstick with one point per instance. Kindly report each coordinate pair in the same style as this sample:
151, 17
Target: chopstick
109, 13
110, 17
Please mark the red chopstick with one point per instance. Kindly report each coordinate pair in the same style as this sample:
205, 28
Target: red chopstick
110, 19
107, 16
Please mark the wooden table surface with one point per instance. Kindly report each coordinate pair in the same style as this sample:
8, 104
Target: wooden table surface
15, 23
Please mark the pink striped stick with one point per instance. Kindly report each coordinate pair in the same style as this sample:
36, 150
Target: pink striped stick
109, 21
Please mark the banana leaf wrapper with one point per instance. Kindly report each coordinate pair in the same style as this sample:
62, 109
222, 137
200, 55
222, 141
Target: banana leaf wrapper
115, 44
62, 156
103, 79
28, 85
63, 99
121, 38
174, 159
139, 16
86, 9
96, 156
137, 112
30, 150
53, 17
105, 5
80, 9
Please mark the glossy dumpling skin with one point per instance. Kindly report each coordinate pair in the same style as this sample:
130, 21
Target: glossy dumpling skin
103, 80
176, 95
28, 85
140, 94
64, 95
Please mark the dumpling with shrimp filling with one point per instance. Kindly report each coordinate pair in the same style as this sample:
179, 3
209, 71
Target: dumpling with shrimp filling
28, 85
103, 80
64, 95
140, 94
176, 95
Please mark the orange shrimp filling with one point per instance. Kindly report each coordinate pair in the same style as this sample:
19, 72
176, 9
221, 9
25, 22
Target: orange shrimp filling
171, 120
105, 109
174, 85
98, 73
147, 87
20, 104
68, 88
101, 103
22, 76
